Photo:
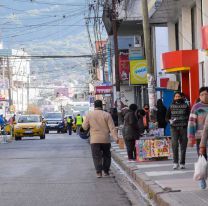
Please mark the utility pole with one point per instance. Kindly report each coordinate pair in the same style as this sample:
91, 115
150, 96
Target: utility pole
10, 85
148, 53
28, 92
115, 38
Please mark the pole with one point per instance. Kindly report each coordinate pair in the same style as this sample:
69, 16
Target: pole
28, 93
115, 35
148, 53
10, 85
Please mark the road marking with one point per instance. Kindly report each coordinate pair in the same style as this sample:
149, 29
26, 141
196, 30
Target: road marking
156, 165
161, 173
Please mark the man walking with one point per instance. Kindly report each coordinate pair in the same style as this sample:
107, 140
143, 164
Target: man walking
69, 124
101, 125
196, 122
78, 122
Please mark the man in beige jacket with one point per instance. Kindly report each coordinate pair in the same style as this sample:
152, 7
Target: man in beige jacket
101, 125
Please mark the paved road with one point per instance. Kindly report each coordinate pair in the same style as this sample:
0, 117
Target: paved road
57, 171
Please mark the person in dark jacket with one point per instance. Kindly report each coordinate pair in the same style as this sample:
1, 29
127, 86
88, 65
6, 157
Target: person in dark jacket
146, 117
140, 113
131, 131
161, 112
178, 115
114, 115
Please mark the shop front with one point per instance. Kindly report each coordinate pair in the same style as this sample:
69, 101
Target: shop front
186, 63
203, 55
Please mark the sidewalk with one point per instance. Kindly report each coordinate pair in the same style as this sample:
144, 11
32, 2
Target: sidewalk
167, 187
8, 137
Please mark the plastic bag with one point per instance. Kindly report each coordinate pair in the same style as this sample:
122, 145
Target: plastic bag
200, 171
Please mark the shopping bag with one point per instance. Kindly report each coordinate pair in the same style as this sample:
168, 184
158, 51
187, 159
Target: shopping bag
200, 171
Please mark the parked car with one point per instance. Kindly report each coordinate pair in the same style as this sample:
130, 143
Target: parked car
55, 122
29, 125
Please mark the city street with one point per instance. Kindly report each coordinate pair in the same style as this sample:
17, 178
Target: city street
57, 171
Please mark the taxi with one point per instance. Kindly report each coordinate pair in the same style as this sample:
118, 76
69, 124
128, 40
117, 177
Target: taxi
29, 126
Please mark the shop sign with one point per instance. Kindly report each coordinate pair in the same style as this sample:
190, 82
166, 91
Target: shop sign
205, 37
103, 89
124, 67
136, 53
138, 72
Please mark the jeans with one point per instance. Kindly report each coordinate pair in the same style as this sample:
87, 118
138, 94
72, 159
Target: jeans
179, 136
101, 155
131, 149
78, 128
69, 128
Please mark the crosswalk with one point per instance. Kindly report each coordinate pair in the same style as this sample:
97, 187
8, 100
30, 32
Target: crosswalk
162, 171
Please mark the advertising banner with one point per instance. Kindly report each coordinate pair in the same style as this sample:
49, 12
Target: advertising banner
124, 67
103, 89
138, 72
136, 53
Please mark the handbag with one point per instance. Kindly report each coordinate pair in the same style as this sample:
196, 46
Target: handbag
200, 169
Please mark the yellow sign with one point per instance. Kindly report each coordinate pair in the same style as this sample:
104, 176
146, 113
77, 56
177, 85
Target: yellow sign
12, 108
138, 72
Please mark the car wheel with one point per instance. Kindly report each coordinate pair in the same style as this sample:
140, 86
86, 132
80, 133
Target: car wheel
42, 136
18, 138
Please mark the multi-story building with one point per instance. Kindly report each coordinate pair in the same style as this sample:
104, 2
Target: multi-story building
187, 22
15, 73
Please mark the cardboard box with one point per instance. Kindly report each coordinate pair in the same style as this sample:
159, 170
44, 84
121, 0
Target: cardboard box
173, 85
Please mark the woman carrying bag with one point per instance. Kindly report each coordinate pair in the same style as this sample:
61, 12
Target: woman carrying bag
131, 131
202, 150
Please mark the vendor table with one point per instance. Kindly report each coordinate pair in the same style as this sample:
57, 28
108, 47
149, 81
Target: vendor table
152, 148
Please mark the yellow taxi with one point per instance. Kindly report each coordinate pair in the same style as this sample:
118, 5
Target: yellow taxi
29, 126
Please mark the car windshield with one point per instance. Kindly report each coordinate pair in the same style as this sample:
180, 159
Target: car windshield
25, 119
53, 115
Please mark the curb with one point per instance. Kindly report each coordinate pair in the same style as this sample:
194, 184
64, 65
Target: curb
153, 190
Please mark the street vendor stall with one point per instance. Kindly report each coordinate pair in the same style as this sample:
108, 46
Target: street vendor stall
152, 147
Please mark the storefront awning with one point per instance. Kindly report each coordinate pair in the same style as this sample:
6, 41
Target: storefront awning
176, 69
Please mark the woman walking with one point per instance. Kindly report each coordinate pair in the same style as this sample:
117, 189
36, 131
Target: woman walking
131, 131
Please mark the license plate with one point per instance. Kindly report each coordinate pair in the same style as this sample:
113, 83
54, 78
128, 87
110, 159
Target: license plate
52, 125
28, 132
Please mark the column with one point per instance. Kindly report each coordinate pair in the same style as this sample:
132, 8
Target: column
186, 32
171, 36
205, 12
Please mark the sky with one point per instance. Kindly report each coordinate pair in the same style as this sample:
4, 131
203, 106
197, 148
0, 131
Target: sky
47, 27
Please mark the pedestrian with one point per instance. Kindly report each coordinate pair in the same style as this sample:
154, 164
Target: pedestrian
101, 125
203, 146
146, 118
177, 115
69, 124
197, 117
161, 113
131, 131
114, 115
78, 122
140, 113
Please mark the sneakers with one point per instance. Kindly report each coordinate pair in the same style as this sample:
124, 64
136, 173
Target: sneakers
175, 166
182, 166
106, 174
131, 160
99, 174
202, 184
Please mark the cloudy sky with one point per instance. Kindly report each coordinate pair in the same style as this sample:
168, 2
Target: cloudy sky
47, 27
